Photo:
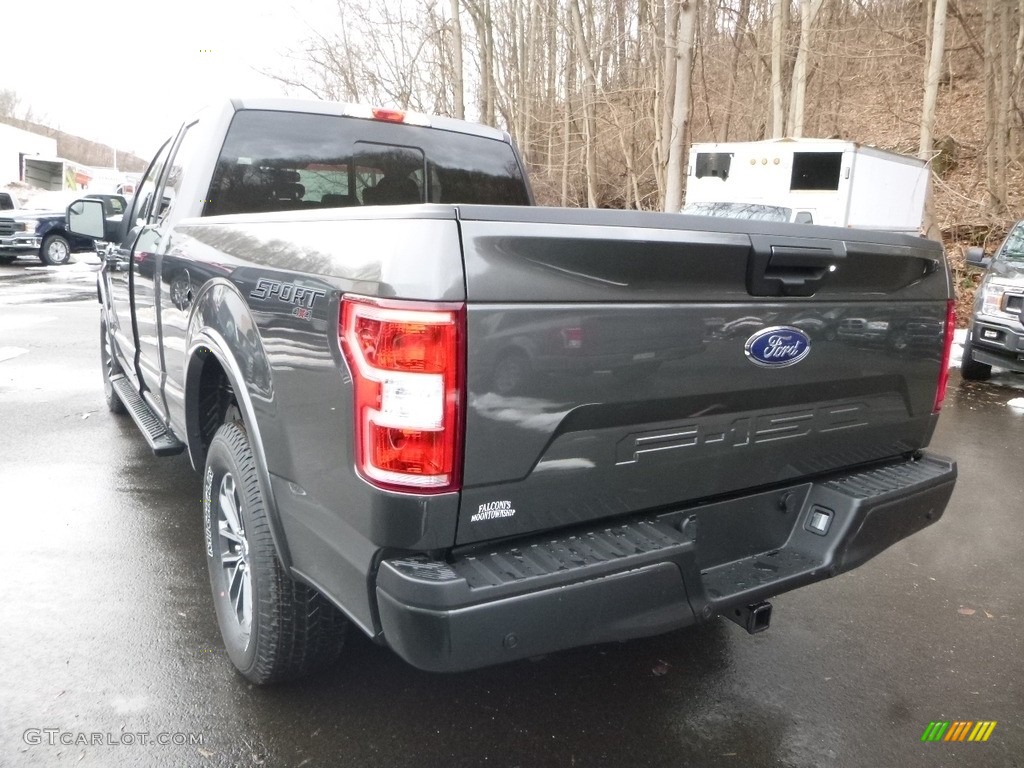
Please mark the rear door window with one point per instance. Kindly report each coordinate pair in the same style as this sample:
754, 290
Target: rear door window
142, 203
183, 157
278, 161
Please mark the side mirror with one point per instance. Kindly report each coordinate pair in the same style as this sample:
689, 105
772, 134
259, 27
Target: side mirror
85, 217
976, 257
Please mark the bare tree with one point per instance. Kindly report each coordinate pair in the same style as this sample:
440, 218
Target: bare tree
589, 104
742, 21
931, 94
780, 10
798, 90
590, 89
681, 106
458, 81
668, 89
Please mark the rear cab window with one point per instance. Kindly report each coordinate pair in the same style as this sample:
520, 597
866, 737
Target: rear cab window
280, 161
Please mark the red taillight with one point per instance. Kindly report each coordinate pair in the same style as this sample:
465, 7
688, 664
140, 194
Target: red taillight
572, 338
940, 393
390, 115
406, 362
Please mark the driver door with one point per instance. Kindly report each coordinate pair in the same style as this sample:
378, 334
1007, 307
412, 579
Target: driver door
119, 270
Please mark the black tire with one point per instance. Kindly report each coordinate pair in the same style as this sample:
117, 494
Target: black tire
56, 250
971, 369
511, 373
108, 361
273, 627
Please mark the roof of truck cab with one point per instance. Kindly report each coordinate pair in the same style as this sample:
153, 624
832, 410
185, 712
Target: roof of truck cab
345, 109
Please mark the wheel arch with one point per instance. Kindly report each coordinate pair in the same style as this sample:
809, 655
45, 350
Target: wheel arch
213, 382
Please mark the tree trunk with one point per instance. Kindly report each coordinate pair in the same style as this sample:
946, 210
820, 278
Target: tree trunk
589, 103
551, 73
481, 13
570, 69
778, 55
737, 41
668, 87
798, 90
458, 83
992, 201
676, 170
931, 94
931, 80
1003, 105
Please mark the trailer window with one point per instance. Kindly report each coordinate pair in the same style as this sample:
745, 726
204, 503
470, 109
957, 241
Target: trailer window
816, 170
714, 164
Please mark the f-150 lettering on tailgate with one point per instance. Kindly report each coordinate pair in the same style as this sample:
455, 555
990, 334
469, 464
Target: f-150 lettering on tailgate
744, 431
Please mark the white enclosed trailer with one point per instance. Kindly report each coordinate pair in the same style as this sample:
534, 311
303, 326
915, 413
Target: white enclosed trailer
817, 181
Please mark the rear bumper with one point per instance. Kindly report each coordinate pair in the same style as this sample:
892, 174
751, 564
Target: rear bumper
653, 573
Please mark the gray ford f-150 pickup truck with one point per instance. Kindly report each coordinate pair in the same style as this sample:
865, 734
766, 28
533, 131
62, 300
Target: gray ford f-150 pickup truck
480, 430
995, 335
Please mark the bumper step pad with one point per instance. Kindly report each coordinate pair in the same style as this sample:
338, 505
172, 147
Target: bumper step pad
651, 573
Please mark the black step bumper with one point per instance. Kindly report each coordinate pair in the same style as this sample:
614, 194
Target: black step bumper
653, 573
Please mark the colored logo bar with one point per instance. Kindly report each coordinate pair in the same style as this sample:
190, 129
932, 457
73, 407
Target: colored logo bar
958, 730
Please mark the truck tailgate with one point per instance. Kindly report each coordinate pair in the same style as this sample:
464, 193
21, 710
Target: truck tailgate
621, 362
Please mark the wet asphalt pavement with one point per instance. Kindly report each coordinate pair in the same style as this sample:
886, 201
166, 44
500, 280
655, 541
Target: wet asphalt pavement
109, 645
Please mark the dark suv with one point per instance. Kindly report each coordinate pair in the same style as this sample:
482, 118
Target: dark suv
996, 333
42, 231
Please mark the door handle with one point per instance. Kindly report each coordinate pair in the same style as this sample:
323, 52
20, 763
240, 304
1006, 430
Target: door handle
791, 270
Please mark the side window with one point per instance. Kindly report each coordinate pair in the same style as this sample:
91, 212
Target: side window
172, 186
142, 203
816, 170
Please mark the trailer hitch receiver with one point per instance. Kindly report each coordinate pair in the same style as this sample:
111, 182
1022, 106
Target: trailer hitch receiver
754, 618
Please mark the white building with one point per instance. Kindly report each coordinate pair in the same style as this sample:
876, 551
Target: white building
15, 144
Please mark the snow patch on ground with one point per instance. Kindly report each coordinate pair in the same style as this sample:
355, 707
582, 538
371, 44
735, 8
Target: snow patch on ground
959, 337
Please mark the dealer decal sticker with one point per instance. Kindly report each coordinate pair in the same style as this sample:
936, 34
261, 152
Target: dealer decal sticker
493, 510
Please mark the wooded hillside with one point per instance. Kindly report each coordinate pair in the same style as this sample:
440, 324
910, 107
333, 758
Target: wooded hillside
603, 96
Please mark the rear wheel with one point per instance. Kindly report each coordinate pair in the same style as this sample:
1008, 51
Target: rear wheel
273, 627
55, 251
971, 369
110, 368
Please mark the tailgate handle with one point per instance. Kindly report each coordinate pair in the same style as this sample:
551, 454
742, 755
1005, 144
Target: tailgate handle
790, 270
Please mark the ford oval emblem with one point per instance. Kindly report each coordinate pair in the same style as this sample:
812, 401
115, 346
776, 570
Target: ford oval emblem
777, 347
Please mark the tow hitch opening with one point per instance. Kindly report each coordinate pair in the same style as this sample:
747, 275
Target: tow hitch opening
753, 618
